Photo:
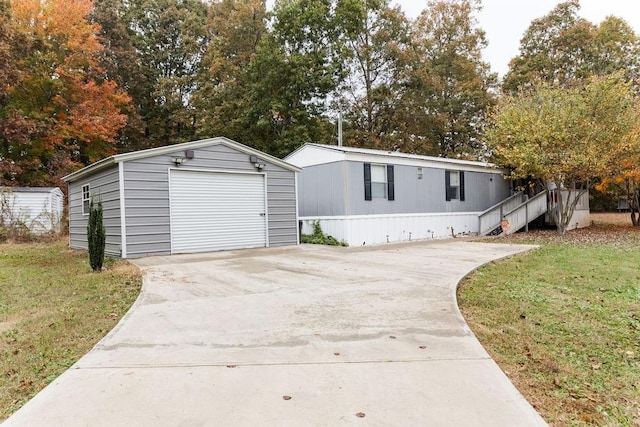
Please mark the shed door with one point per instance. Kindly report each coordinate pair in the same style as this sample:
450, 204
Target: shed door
213, 211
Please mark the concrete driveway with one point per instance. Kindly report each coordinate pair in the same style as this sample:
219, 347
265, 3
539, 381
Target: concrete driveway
302, 336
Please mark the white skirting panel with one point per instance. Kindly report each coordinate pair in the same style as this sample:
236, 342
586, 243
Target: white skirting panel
580, 219
373, 229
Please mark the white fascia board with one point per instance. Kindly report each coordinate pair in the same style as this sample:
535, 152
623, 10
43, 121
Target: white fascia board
312, 155
87, 170
204, 143
169, 149
317, 154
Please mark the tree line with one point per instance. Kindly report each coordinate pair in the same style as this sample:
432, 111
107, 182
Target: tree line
81, 80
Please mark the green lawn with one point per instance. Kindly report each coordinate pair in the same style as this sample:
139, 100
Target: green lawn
564, 323
53, 309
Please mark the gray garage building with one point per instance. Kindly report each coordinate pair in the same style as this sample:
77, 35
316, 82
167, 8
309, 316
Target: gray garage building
200, 196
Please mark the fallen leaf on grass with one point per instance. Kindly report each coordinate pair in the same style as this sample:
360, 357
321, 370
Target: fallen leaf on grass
580, 396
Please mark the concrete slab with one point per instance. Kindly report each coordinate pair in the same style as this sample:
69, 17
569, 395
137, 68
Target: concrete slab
219, 339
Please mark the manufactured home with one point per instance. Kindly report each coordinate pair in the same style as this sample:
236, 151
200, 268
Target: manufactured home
199, 196
36, 209
364, 196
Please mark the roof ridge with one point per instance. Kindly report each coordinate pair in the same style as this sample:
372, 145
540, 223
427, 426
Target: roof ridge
400, 154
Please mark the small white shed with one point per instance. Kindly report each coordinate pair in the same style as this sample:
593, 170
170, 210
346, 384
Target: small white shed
39, 209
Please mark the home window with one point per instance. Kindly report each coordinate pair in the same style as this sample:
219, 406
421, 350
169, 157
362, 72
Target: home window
86, 199
454, 185
378, 182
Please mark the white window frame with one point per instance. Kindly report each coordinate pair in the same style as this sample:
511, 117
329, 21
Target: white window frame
456, 185
373, 182
86, 199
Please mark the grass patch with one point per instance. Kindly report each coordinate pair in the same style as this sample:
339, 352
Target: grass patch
564, 323
53, 309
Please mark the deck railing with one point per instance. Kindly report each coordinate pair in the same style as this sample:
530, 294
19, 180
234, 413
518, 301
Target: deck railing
490, 219
520, 216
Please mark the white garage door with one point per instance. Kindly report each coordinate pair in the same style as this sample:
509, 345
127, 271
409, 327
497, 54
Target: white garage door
213, 211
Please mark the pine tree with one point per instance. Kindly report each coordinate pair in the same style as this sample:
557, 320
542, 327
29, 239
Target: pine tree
96, 235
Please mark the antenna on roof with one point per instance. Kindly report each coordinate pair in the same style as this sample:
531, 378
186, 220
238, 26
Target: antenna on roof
340, 127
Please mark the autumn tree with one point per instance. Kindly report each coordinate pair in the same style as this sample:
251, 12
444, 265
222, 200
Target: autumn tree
68, 113
450, 85
7, 69
566, 136
15, 129
235, 29
121, 64
563, 47
624, 179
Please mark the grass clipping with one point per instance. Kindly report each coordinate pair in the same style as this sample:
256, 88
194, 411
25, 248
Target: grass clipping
53, 309
564, 322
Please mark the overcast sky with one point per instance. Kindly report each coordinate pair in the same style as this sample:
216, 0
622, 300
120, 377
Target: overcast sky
505, 21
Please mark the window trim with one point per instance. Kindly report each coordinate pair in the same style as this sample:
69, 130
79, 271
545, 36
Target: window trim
460, 196
87, 199
384, 183
388, 182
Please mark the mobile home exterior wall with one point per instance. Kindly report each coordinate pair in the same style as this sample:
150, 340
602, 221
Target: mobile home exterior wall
338, 189
333, 190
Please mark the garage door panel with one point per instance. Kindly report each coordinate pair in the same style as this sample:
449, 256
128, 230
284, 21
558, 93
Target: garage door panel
215, 211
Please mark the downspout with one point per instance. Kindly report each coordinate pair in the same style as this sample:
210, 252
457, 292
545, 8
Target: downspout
340, 128
123, 214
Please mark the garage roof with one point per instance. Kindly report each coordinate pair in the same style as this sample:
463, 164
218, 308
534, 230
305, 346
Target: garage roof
135, 155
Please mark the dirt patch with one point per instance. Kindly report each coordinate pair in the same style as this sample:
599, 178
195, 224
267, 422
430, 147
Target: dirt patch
7, 324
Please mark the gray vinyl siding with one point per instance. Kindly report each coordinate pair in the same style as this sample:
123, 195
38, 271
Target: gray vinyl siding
147, 197
105, 185
426, 195
324, 191
146, 205
281, 203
